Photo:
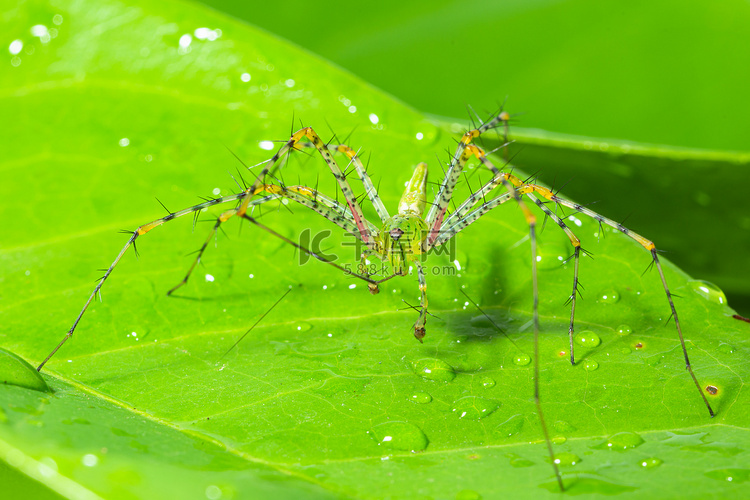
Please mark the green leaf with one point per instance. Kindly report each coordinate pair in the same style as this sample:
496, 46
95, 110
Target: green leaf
109, 114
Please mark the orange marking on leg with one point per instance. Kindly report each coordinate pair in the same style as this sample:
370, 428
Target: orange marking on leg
148, 227
472, 149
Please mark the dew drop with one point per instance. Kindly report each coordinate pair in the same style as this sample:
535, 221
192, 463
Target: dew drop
303, 326
624, 440
434, 369
712, 390
708, 291
731, 475
510, 427
563, 426
481, 321
468, 495
566, 458
474, 407
521, 359
587, 338
461, 261
559, 440
488, 382
609, 297
89, 460
399, 436
726, 348
590, 365
650, 463
624, 330
626, 350
517, 461
551, 256
421, 397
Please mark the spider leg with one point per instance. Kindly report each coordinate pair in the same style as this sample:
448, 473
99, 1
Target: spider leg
364, 270
469, 216
364, 177
464, 151
370, 281
372, 192
219, 221
647, 244
131, 242
362, 227
463, 216
323, 205
419, 326
356, 211
270, 167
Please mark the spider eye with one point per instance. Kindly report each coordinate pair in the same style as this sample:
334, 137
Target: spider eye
396, 233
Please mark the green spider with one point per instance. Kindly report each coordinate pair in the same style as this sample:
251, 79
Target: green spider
402, 240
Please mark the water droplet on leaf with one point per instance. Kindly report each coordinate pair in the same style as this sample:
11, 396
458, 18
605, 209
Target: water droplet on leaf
650, 463
726, 348
708, 291
624, 330
488, 382
587, 338
434, 369
521, 359
474, 408
590, 365
399, 436
303, 326
421, 397
566, 458
731, 475
623, 441
510, 427
609, 297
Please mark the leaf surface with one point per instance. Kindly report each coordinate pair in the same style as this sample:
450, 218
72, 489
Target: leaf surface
110, 113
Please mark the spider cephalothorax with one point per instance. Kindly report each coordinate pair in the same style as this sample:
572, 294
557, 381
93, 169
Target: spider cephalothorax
404, 236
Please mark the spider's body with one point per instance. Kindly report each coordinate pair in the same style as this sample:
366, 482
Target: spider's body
403, 239
404, 236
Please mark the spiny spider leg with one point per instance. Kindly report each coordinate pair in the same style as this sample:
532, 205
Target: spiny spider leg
131, 241
270, 167
370, 281
323, 205
505, 179
423, 298
647, 244
370, 189
530, 188
295, 142
356, 211
434, 222
443, 198
372, 192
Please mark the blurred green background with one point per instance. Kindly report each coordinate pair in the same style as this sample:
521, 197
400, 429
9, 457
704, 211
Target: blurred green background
671, 72
668, 72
